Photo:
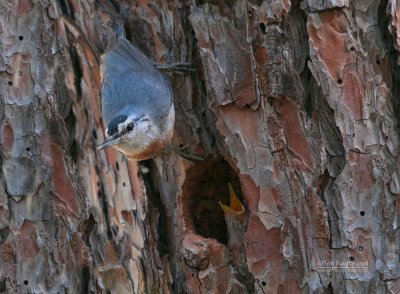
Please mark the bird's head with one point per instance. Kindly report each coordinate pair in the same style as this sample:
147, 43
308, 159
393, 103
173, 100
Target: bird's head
129, 132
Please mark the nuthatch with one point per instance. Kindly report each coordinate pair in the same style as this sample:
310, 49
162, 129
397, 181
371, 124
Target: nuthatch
136, 103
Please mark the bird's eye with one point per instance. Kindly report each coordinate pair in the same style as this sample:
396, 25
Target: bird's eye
130, 126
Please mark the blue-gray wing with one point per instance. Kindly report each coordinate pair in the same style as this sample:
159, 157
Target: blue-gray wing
130, 81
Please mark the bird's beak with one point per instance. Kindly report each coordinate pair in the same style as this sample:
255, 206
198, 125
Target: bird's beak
109, 142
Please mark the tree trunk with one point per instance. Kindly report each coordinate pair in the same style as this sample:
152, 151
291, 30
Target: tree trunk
293, 103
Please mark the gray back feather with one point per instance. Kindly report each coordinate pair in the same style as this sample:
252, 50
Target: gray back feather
132, 84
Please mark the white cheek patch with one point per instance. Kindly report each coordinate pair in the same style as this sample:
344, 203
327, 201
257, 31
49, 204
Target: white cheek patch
120, 127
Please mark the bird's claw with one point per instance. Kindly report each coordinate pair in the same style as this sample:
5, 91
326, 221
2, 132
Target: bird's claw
184, 152
179, 67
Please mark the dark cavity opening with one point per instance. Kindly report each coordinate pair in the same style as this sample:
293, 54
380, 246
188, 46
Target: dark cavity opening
205, 186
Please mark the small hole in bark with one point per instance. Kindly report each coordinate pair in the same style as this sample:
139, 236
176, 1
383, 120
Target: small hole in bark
94, 134
20, 38
263, 28
387, 137
351, 258
27, 149
360, 248
3, 287
26, 282
354, 135
330, 288
263, 283
3, 236
352, 48
339, 81
124, 184
206, 185
10, 83
378, 61
74, 150
309, 105
117, 165
84, 279
362, 213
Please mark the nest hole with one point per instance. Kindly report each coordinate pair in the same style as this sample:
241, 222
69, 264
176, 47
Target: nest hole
205, 186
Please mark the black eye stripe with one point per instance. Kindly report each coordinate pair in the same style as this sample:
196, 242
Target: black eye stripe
113, 125
120, 120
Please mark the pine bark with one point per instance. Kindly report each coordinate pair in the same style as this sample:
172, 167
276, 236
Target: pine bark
293, 103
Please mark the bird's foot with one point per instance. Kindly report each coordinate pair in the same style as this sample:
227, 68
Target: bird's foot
179, 67
184, 152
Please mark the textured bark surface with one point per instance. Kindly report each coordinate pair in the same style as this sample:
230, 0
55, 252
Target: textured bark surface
294, 103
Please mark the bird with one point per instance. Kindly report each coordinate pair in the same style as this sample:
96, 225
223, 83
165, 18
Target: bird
137, 103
